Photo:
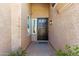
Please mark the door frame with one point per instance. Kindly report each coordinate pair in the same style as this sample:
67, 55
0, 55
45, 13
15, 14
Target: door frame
47, 29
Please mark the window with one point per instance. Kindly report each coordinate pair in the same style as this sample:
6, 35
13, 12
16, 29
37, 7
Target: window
29, 25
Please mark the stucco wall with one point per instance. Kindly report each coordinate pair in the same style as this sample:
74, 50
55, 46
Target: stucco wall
65, 27
15, 26
25, 37
5, 28
19, 34
40, 10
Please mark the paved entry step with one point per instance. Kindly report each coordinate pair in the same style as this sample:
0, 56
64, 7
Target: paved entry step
40, 49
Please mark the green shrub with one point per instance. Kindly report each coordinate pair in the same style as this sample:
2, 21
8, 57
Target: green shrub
18, 52
69, 51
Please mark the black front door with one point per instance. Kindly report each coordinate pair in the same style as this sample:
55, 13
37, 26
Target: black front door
42, 29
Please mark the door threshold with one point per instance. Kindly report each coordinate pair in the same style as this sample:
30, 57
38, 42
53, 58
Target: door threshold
42, 40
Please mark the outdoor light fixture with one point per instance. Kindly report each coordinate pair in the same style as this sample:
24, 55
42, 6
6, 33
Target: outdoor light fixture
53, 4
50, 22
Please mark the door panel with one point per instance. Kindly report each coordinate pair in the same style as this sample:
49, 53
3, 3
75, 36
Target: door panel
42, 29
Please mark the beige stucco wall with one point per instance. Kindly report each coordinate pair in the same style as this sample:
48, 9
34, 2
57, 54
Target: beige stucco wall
5, 28
20, 36
15, 26
25, 37
65, 27
40, 10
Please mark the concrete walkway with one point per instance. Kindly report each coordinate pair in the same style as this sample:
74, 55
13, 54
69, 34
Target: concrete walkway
40, 49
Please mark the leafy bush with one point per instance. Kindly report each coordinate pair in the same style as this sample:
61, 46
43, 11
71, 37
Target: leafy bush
69, 51
18, 52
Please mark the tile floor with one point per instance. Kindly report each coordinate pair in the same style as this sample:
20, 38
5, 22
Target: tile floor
40, 49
